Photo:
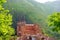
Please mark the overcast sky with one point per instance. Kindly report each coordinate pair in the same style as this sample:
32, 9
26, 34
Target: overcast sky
43, 1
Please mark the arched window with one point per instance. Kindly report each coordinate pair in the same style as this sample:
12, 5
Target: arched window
42, 38
31, 38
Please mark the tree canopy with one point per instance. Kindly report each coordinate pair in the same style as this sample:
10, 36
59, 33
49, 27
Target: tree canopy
54, 22
5, 21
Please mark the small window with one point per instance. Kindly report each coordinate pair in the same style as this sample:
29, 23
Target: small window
42, 38
31, 38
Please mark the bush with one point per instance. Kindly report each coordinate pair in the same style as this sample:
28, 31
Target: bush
6, 29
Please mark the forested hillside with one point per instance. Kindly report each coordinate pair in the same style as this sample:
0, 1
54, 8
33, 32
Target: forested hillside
55, 5
33, 11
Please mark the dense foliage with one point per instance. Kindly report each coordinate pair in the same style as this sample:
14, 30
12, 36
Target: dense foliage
5, 22
54, 21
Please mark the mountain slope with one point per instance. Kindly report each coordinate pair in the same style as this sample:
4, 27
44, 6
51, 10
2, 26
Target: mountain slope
33, 11
55, 5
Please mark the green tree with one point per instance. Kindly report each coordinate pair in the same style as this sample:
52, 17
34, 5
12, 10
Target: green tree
54, 22
5, 21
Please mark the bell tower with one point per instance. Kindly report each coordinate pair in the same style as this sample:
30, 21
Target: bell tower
21, 22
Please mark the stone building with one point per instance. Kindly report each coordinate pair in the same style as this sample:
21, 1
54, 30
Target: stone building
29, 31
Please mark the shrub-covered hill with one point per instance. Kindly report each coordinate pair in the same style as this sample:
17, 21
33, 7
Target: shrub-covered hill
33, 11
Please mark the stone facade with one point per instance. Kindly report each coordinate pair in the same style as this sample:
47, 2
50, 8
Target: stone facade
30, 32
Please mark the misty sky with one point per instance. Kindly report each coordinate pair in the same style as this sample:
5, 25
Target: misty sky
43, 1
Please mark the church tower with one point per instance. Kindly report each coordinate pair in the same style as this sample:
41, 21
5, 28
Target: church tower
21, 22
